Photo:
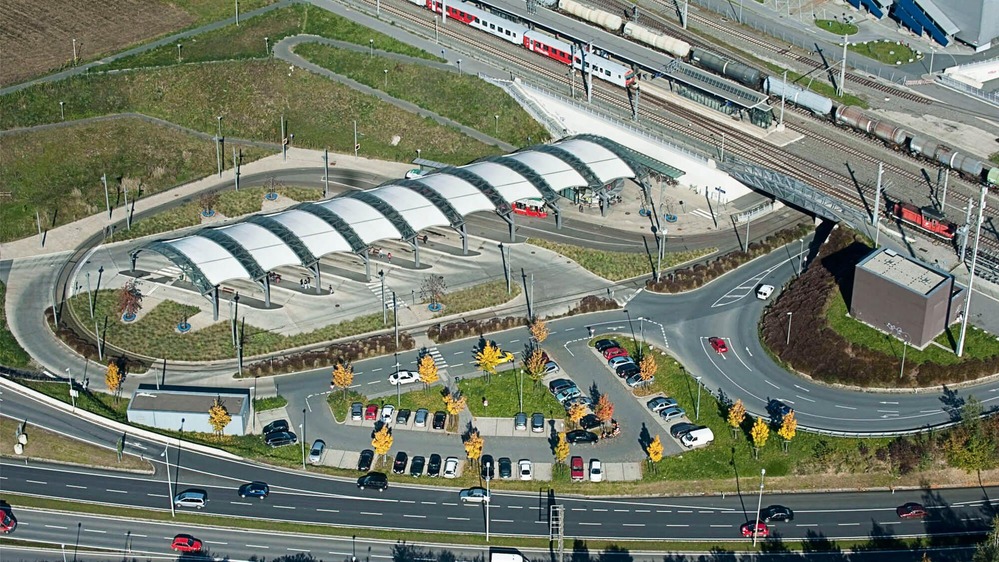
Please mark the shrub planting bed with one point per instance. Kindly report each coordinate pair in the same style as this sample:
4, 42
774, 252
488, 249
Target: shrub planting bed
355, 350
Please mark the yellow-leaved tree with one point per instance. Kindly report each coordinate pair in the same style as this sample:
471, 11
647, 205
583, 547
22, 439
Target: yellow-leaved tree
488, 358
760, 433
473, 446
428, 371
218, 417
343, 375
604, 409
539, 330
382, 441
655, 451
561, 448
647, 367
788, 428
576, 413
113, 379
453, 404
535, 366
736, 415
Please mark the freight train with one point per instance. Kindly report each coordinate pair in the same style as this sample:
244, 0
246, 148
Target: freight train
968, 166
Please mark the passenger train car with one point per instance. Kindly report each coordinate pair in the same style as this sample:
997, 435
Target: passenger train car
532, 40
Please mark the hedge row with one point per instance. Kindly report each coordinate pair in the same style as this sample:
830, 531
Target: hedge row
327, 357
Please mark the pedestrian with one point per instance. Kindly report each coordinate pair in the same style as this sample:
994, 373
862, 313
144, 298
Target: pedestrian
301, 283
424, 238
390, 257
331, 288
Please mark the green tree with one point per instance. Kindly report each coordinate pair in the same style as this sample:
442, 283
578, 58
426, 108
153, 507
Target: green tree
969, 447
988, 549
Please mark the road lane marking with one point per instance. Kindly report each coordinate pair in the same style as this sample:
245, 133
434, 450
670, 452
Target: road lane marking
376, 370
642, 511
579, 509
116, 491
806, 525
801, 388
429, 503
37, 482
514, 341
256, 546
598, 509
848, 524
723, 526
515, 507
412, 515
54, 527
675, 525
632, 524
590, 524
502, 520
407, 501
804, 398
75, 486
457, 519
284, 507
844, 407
241, 503
448, 503
458, 352
663, 511
771, 384
328, 510
298, 549
889, 522
374, 382
95, 531
622, 511
372, 513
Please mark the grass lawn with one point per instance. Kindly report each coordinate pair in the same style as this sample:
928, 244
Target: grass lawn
97, 402
231, 204
251, 96
247, 40
415, 398
154, 333
57, 172
47, 445
11, 352
464, 98
340, 404
977, 344
478, 297
888, 52
837, 27
994, 158
504, 398
269, 403
207, 11
616, 266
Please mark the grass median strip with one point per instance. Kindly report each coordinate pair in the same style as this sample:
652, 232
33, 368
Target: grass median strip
48, 445
617, 266
477, 297
11, 352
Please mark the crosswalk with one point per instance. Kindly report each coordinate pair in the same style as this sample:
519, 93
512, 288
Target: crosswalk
171, 272
376, 289
701, 213
438, 358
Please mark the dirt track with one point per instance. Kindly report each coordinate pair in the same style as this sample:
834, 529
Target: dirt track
37, 37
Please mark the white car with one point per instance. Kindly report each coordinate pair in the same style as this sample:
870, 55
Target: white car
451, 467
764, 292
596, 471
474, 495
526, 470
387, 411
403, 377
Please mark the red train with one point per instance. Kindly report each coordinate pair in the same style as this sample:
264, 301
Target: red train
926, 219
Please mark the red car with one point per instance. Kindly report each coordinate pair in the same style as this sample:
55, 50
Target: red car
186, 543
613, 352
761, 529
576, 468
911, 510
7, 522
371, 412
718, 344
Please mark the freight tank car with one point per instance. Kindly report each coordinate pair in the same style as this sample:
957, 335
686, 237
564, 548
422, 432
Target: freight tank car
741, 73
606, 20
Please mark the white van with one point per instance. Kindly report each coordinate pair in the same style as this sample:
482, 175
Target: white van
506, 557
764, 292
697, 437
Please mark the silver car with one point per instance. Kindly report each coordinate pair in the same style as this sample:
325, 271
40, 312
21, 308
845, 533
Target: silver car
660, 403
474, 495
520, 421
316, 452
191, 498
671, 413
420, 420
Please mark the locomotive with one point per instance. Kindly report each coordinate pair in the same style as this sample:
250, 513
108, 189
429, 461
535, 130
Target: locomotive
927, 219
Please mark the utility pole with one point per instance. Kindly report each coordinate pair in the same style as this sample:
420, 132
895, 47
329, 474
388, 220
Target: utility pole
356, 146
237, 13
284, 141
842, 71
381, 275
967, 229
783, 93
395, 319
107, 199
506, 270
218, 146
326, 174
235, 165
589, 77
686, 5
971, 280
943, 200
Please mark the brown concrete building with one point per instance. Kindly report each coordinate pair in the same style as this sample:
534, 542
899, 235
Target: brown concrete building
905, 297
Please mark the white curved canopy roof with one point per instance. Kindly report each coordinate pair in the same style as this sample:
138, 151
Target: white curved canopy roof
352, 221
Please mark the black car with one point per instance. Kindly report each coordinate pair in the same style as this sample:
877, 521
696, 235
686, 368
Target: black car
402, 418
254, 490
439, 419
777, 411
590, 421
281, 438
488, 467
275, 426
678, 429
581, 436
399, 466
375, 480
626, 370
558, 384
364, 462
776, 513
505, 467
537, 422
434, 466
416, 466
603, 345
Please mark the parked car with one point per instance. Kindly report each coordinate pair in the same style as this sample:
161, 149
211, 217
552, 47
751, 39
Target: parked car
550, 367
560, 384
186, 543
697, 437
420, 419
636, 379
526, 470
567, 394
316, 452
616, 362
281, 438
761, 529
7, 522
403, 377
416, 466
596, 471
505, 467
581, 436
254, 489
451, 467
357, 411
581, 399
474, 495
603, 345
672, 413
520, 421
590, 421
488, 467
776, 513
660, 403
387, 411
364, 461
537, 422
276, 426
434, 466
402, 418
375, 480
613, 352
439, 419
191, 498
678, 430
399, 466
371, 412
576, 468
911, 510
627, 370
718, 344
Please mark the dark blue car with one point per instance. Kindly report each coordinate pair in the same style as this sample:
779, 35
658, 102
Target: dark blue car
254, 490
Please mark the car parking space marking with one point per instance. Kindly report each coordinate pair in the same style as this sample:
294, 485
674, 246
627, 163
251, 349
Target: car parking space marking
328, 510
284, 507
804, 398
372, 513
412, 515
457, 519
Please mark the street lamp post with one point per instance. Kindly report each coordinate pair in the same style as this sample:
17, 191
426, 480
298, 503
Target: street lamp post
521, 389
62, 110
759, 504
398, 387
788, 342
371, 47
497, 124
301, 429
381, 275
489, 498
459, 66
632, 327
386, 78
697, 408
905, 346
178, 52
